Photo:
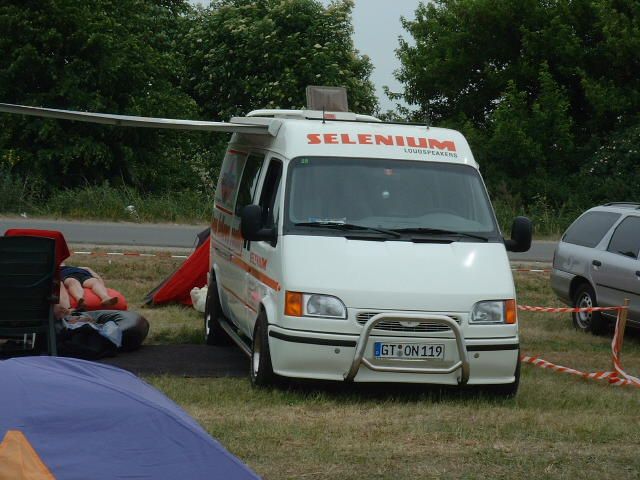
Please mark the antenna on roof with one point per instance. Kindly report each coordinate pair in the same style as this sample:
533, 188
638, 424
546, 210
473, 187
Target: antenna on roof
323, 115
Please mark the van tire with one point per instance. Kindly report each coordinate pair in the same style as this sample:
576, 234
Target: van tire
587, 322
261, 369
507, 390
213, 332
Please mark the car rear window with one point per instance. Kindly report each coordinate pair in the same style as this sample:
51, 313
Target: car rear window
589, 229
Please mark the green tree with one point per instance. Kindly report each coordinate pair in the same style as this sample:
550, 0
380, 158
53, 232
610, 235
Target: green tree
246, 54
115, 56
617, 166
529, 143
538, 86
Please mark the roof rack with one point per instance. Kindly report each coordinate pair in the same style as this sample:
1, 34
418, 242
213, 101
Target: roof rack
635, 205
318, 115
312, 115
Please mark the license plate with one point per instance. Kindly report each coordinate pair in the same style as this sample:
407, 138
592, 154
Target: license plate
408, 351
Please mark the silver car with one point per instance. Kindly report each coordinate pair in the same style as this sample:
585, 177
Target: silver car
596, 264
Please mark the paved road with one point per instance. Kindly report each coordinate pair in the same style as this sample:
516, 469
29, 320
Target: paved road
178, 236
541, 251
113, 233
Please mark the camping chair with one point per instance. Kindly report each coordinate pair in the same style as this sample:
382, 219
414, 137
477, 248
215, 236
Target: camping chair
28, 287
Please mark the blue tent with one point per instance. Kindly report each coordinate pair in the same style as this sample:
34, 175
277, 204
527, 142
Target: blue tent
88, 420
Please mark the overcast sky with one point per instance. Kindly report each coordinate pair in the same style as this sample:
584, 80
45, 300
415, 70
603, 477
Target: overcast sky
377, 27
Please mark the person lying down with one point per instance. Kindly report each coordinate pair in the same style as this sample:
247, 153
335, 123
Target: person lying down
73, 282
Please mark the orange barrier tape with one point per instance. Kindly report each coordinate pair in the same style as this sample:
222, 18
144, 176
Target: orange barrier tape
615, 354
612, 377
527, 308
617, 378
129, 254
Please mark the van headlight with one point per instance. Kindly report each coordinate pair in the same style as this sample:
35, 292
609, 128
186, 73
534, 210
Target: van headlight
494, 312
299, 304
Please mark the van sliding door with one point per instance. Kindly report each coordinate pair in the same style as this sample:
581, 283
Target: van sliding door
263, 257
233, 269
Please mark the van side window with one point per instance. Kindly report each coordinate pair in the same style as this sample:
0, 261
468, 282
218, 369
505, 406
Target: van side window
249, 181
276, 206
626, 239
269, 194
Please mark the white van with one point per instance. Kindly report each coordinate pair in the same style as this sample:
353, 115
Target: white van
345, 248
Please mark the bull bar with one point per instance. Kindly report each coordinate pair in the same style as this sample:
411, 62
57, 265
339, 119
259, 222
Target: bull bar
359, 359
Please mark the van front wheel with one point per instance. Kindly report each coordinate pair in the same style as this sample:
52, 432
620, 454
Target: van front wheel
261, 369
213, 332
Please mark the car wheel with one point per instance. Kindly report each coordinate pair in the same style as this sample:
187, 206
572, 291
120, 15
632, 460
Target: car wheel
261, 369
592, 322
213, 332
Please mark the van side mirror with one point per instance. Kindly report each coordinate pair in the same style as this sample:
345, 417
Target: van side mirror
251, 225
521, 235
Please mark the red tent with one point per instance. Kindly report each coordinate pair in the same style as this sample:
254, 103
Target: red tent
192, 273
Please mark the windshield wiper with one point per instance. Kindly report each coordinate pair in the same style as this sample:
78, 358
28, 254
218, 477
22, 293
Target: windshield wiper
438, 231
348, 226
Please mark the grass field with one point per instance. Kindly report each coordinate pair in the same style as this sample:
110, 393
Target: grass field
558, 426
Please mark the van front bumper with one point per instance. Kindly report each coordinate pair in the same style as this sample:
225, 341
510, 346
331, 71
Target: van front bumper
334, 356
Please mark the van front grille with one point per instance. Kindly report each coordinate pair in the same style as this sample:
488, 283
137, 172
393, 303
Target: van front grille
396, 326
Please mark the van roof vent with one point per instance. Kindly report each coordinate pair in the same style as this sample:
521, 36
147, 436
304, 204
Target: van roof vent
333, 99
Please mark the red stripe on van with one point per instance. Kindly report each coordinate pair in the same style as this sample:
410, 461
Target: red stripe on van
240, 299
254, 272
222, 209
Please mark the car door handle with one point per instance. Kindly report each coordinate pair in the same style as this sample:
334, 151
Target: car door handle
596, 263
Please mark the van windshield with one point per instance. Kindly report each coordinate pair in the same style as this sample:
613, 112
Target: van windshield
394, 195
